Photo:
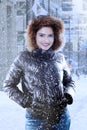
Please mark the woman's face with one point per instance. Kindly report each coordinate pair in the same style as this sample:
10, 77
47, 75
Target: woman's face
45, 38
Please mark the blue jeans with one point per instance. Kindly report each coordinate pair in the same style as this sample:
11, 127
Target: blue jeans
36, 124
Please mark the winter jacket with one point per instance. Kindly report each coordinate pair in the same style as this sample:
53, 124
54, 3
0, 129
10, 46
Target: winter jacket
45, 82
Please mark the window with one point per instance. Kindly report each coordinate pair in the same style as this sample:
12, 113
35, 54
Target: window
66, 0
20, 38
85, 5
67, 7
21, 8
9, 14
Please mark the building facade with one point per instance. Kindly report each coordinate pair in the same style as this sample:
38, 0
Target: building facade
8, 47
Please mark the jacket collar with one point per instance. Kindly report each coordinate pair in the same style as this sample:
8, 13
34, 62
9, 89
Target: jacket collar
43, 55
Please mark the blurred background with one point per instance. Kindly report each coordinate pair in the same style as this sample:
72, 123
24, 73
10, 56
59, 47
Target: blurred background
15, 16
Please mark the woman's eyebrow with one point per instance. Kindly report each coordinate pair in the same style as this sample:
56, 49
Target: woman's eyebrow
46, 34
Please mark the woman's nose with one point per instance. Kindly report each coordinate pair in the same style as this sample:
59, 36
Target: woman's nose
46, 39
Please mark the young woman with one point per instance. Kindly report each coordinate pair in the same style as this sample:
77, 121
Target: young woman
47, 86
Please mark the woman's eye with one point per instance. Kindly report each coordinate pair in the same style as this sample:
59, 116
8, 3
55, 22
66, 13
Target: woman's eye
51, 35
41, 35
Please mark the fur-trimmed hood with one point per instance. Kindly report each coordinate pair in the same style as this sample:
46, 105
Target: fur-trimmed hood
44, 21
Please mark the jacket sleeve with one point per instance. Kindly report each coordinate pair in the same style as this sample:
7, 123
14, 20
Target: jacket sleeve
68, 83
11, 82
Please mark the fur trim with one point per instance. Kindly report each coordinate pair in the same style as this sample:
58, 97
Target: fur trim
44, 21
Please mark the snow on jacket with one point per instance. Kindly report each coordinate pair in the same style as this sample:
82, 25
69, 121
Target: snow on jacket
44, 79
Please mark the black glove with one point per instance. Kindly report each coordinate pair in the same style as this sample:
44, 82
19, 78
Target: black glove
64, 102
68, 98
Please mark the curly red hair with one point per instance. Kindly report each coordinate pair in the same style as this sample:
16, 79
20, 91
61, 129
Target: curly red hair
44, 21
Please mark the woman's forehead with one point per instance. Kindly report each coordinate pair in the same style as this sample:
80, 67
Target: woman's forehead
45, 30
